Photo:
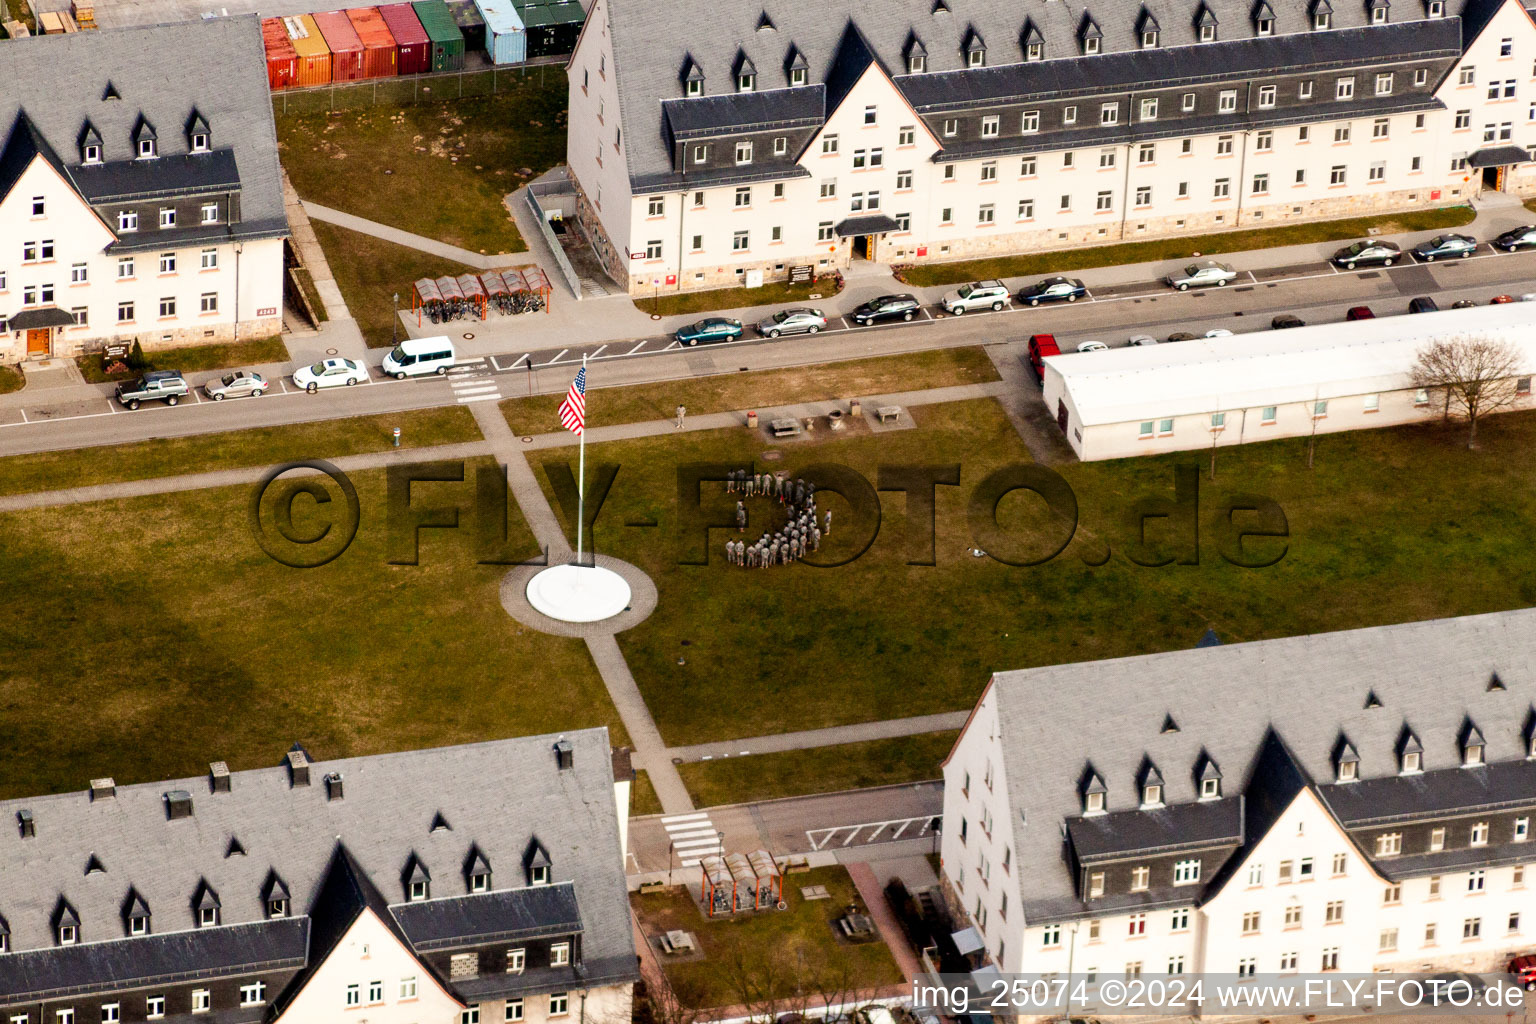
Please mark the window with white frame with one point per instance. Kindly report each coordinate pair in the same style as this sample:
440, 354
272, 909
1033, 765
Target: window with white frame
1224, 145
559, 1004
1222, 188
210, 213
127, 220
1186, 872
656, 206
1472, 928
1109, 113
1260, 184
1107, 158
1384, 84
1266, 97
154, 1007
824, 231
1377, 172
744, 196
828, 145
989, 126
907, 136
559, 954
1522, 827
1136, 924
168, 217
828, 188
255, 993
1477, 880
1029, 122
1341, 133
1143, 195
1344, 88
1050, 936
1146, 153
951, 127
1069, 114
1187, 103
202, 1000
1392, 895
1337, 175
408, 987
514, 1009
167, 263
743, 152
1264, 142
208, 302
1179, 920
986, 214
989, 170
1304, 91
1389, 844
903, 180
1226, 102
1149, 109
1251, 920
1333, 912
1387, 941
1141, 877
739, 241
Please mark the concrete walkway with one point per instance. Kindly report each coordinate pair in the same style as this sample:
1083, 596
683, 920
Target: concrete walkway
406, 238
873, 895
649, 751
893, 728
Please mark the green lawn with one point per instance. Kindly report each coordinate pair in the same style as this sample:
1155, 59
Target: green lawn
11, 379
800, 648
154, 636
638, 402
1029, 264
642, 795
736, 780
754, 958
258, 446
436, 169
194, 358
672, 303
370, 271
306, 283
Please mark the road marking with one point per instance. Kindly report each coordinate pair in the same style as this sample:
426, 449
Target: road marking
557, 357
692, 833
693, 844
821, 838
675, 344
480, 398
462, 368
23, 415
638, 347
594, 355
470, 362
700, 816
284, 385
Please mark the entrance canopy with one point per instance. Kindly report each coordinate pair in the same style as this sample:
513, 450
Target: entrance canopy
874, 224
1499, 156
37, 319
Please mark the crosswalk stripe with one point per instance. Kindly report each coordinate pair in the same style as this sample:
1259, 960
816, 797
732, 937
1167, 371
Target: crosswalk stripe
673, 818
693, 833
493, 397
691, 844
469, 387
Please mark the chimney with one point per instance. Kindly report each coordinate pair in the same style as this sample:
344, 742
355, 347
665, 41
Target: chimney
25, 822
102, 789
178, 804
333, 786
565, 755
218, 777
298, 768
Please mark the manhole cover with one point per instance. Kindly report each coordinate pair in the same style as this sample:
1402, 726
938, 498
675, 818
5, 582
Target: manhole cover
655, 316
528, 440
330, 351
772, 456
469, 337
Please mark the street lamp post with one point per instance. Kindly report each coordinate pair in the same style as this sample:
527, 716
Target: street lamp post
394, 318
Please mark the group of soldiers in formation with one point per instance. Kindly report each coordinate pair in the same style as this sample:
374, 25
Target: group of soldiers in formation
798, 537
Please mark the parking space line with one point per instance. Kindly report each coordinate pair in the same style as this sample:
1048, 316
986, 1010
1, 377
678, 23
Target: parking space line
640, 345
24, 416
594, 355
556, 359
282, 383
675, 344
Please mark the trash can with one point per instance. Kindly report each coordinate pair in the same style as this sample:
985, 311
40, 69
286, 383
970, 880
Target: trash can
854, 409
752, 421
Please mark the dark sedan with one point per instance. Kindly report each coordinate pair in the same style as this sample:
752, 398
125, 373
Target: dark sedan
886, 307
1445, 246
709, 331
1385, 253
1053, 289
1516, 238
1287, 320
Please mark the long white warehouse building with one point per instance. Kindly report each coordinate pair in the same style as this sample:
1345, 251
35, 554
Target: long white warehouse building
1258, 387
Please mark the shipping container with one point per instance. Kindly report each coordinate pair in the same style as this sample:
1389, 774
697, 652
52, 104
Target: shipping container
309, 44
379, 50
282, 58
505, 39
346, 48
467, 16
552, 25
413, 47
447, 40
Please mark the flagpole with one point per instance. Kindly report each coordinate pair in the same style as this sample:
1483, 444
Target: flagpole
581, 481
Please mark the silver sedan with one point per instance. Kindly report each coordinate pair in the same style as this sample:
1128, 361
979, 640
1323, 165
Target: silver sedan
237, 385
792, 321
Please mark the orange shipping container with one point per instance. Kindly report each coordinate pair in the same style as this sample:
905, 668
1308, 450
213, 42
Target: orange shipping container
346, 48
282, 58
378, 42
314, 56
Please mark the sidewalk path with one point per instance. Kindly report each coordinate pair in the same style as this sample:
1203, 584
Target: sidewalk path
650, 752
889, 729
885, 921
406, 238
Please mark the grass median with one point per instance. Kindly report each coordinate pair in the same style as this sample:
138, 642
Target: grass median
193, 358
235, 449
370, 272
797, 647
1063, 260
670, 303
158, 637
637, 403
11, 379
888, 762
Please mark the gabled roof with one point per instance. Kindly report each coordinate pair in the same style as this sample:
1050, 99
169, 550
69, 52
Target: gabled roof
548, 910
23, 144
1163, 830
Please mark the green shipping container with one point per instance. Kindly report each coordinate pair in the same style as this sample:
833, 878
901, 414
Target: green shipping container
447, 40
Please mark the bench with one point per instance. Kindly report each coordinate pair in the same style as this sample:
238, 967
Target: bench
887, 413
789, 427
676, 942
814, 892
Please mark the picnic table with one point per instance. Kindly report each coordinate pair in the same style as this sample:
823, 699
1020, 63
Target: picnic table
856, 925
785, 427
677, 942
887, 413
814, 892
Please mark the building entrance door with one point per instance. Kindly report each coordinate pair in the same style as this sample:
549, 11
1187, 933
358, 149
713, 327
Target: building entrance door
37, 342
1061, 415
862, 246
1493, 179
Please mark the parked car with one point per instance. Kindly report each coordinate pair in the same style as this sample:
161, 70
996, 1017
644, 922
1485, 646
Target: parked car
1181, 336
1218, 332
1516, 238
1198, 275
1053, 289
799, 320
163, 385
1141, 340
1351, 256
1360, 313
873, 1014
1523, 969
1423, 304
1040, 346
1093, 346
329, 373
709, 331
1463, 304
1499, 300
1455, 988
886, 307
420, 357
1445, 245
981, 295
236, 385
1287, 320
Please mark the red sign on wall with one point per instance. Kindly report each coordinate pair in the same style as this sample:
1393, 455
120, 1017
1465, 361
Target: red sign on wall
671, 279
267, 311
922, 250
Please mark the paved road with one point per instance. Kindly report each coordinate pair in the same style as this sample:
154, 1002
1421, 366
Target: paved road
1315, 291
846, 824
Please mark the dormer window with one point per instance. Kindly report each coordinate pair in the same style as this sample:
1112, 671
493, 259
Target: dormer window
539, 874
917, 63
207, 917
138, 925
1266, 26
66, 923
975, 51
68, 934
797, 76
205, 906
798, 68
418, 891
1412, 762
1151, 787
91, 154
1149, 39
1210, 780
1471, 747
1348, 764
1090, 37
144, 139
1149, 30
1410, 754
146, 149
536, 863
200, 143
1322, 20
1208, 33
1094, 793
1034, 51
277, 908
478, 871
695, 87
1034, 42
1205, 25
1436, 8
137, 913
275, 896
693, 80
480, 882
418, 882
745, 82
90, 144
1379, 14
746, 73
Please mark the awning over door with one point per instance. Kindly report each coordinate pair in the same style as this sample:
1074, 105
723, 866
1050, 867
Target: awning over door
1499, 156
37, 319
874, 224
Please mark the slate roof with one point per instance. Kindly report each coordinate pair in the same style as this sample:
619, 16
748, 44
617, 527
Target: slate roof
162, 73
1309, 689
483, 917
650, 53
780, 108
1506, 784
1184, 826
185, 174
497, 797
1494, 156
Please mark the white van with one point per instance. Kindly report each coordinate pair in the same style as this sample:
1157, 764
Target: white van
417, 357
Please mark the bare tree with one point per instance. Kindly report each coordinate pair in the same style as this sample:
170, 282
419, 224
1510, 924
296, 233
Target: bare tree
1312, 418
1475, 375
759, 978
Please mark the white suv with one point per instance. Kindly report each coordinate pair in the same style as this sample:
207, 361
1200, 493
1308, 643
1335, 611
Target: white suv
981, 295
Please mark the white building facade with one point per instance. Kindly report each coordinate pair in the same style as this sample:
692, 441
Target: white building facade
1219, 392
133, 208
808, 136
1350, 802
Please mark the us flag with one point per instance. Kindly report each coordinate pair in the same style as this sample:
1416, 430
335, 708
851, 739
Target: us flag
573, 411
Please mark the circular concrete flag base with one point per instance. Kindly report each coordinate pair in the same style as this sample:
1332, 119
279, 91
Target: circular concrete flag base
578, 593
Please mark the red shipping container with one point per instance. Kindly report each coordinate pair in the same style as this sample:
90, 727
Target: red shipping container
378, 44
309, 44
346, 49
414, 46
282, 58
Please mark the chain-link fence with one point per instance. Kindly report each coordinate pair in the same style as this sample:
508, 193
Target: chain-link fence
408, 90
